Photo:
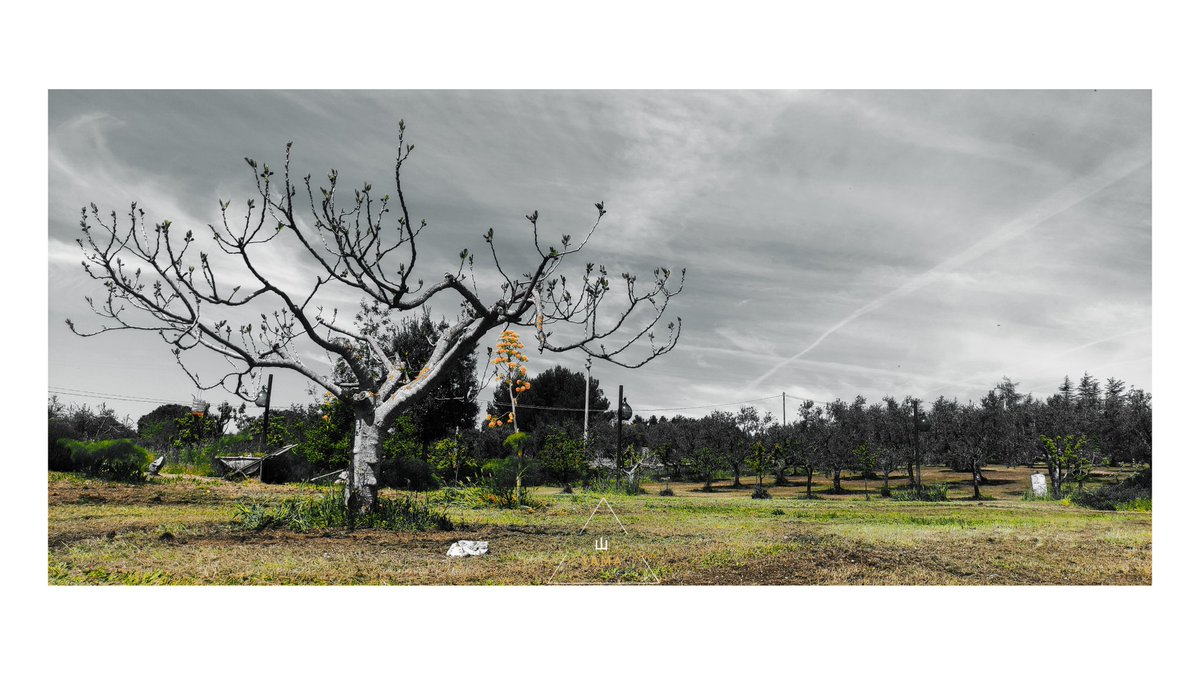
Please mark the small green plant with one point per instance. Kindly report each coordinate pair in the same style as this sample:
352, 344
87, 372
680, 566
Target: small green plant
1139, 504
760, 492
500, 485
615, 485
301, 514
933, 492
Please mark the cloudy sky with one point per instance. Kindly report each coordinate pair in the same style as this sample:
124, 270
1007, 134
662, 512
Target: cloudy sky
836, 243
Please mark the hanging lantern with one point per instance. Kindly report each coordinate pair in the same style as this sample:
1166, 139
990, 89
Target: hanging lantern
923, 423
261, 401
626, 411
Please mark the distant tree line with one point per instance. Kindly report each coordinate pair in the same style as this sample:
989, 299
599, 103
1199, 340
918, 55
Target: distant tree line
1081, 426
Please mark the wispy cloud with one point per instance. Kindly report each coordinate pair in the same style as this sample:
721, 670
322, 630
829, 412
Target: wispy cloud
1067, 197
810, 222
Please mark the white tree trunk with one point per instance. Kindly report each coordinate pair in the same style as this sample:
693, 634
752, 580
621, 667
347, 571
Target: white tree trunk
362, 487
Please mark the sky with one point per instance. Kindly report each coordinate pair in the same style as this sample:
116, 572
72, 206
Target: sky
836, 242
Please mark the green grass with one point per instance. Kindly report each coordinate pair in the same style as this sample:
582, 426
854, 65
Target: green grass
174, 530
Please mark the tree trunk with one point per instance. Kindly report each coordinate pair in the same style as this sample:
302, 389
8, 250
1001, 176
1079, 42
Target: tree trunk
362, 486
837, 481
737, 476
808, 484
1056, 479
975, 478
912, 479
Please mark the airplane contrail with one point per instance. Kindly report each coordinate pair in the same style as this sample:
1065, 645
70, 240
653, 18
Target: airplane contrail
1110, 172
1110, 338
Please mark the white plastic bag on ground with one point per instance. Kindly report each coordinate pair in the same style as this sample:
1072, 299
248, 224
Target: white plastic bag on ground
464, 548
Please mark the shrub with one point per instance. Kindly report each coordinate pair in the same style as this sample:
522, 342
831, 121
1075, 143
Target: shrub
760, 492
562, 457
516, 443
112, 460
453, 460
288, 467
60, 454
301, 514
666, 491
498, 482
1131, 494
407, 473
934, 492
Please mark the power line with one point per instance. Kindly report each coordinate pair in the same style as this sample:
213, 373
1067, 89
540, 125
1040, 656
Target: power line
66, 391
711, 405
131, 398
62, 391
641, 410
86, 393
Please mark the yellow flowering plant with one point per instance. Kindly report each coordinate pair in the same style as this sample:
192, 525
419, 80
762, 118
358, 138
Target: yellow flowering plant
511, 373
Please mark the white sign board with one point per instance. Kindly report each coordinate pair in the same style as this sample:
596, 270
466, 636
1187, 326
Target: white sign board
1039, 484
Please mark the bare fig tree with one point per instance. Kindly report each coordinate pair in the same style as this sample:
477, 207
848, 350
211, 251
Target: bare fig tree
158, 281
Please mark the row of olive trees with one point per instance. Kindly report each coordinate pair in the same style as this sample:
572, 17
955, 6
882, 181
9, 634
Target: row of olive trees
1071, 431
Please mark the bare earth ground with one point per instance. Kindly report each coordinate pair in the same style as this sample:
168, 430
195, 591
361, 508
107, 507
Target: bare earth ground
177, 530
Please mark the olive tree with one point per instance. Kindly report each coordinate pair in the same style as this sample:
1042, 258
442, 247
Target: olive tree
364, 246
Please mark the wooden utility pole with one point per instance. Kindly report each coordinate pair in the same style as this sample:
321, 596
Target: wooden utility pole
587, 395
266, 421
620, 410
917, 440
785, 408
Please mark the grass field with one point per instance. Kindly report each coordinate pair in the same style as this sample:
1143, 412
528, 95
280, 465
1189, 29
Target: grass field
178, 530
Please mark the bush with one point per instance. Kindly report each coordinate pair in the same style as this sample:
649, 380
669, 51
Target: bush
453, 460
289, 467
498, 482
516, 443
666, 491
407, 473
60, 454
1131, 494
301, 514
934, 492
112, 460
200, 459
760, 492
